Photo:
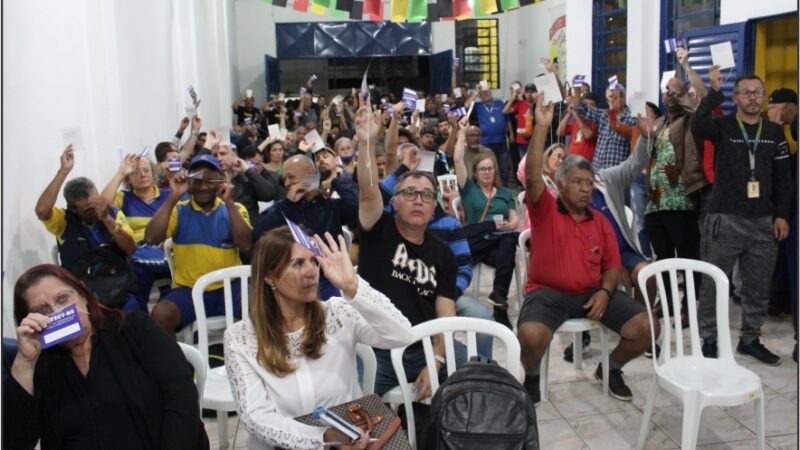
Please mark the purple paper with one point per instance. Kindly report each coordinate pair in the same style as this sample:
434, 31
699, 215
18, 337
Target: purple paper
303, 239
613, 83
455, 61
303, 91
578, 80
66, 325
459, 112
446, 108
174, 165
410, 98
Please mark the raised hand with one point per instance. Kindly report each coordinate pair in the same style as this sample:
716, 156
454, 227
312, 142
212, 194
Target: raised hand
212, 139
30, 347
645, 125
128, 164
197, 124
683, 56
543, 114
715, 76
184, 124
179, 184
68, 159
226, 191
336, 265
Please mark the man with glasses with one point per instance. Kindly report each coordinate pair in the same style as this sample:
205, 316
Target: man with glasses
748, 209
208, 231
400, 258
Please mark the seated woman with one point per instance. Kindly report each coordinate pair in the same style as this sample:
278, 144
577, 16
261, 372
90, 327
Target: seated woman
122, 383
139, 202
297, 352
274, 155
491, 216
553, 157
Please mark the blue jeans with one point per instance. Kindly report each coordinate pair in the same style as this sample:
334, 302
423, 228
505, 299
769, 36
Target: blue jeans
638, 202
467, 306
145, 277
501, 153
413, 362
523, 150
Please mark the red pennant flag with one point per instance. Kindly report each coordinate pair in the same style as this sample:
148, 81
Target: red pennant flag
300, 5
462, 8
378, 16
372, 7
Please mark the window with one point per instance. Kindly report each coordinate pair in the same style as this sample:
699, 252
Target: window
680, 16
611, 47
477, 47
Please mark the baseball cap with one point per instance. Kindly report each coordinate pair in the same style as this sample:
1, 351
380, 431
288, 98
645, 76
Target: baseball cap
783, 95
205, 160
326, 149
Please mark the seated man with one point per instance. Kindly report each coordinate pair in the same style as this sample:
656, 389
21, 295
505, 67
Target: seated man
87, 223
574, 268
400, 258
318, 212
208, 231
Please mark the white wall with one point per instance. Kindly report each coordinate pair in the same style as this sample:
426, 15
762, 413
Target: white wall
579, 39
734, 11
643, 45
116, 69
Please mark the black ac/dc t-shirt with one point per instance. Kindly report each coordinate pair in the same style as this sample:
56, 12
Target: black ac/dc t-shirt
412, 276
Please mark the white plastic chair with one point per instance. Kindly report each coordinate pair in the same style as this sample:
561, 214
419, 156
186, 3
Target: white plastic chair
521, 201
195, 358
185, 335
446, 182
55, 256
447, 326
455, 203
348, 238
574, 326
629, 216
370, 365
217, 393
696, 380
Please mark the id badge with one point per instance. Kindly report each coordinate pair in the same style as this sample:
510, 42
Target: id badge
491, 119
753, 189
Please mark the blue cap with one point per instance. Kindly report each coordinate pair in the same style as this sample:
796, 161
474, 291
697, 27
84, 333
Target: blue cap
207, 160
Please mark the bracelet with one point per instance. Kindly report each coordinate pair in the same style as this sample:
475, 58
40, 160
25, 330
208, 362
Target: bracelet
440, 359
606, 291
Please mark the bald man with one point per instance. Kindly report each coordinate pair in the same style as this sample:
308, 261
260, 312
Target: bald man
305, 205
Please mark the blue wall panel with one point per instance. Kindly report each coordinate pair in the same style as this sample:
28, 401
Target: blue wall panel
352, 39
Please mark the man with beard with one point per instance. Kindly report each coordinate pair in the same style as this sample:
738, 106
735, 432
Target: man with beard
249, 187
314, 208
748, 209
208, 231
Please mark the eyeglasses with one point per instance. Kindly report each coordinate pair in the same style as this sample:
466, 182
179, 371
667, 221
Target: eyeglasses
61, 302
758, 93
485, 169
411, 194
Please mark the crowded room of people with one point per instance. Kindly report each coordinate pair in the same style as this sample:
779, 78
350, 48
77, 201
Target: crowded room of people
400, 224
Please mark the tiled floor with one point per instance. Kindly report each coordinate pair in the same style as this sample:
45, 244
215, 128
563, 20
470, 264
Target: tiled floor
578, 416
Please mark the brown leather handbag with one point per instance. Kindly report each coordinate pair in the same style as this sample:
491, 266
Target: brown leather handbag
370, 414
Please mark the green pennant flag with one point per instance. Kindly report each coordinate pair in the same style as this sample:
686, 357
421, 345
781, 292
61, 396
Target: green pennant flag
339, 14
269, 2
322, 3
509, 4
417, 10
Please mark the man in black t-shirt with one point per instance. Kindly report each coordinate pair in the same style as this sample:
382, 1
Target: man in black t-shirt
246, 111
400, 258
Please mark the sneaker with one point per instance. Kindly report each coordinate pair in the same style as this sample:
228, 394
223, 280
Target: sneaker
649, 353
587, 339
532, 388
616, 384
709, 348
500, 310
757, 350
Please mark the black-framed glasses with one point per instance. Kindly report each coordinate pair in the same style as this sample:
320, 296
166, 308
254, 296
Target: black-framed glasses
758, 93
410, 194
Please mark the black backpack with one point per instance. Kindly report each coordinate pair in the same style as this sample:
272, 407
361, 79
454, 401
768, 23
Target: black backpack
106, 272
481, 406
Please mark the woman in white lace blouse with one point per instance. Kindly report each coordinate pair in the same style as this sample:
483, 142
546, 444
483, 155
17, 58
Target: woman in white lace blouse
296, 352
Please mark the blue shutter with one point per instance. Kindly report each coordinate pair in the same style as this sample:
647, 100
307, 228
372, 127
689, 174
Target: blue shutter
271, 75
741, 37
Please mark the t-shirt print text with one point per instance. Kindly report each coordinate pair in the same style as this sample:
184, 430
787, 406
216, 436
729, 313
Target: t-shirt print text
413, 271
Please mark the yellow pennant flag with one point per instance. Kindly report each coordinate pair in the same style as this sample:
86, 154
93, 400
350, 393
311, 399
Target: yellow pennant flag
317, 9
487, 6
399, 10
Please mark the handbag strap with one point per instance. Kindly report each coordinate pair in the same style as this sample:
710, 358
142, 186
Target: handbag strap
486, 208
394, 425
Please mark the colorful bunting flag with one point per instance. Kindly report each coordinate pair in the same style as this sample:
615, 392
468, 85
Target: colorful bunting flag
462, 9
357, 12
418, 10
507, 5
399, 10
344, 5
322, 3
444, 9
318, 9
300, 5
433, 12
486, 7
281, 3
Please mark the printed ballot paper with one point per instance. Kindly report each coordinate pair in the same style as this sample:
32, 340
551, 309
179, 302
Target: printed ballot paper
548, 84
722, 55
302, 238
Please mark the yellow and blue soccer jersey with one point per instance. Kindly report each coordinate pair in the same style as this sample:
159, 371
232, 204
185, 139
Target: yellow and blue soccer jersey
138, 212
202, 241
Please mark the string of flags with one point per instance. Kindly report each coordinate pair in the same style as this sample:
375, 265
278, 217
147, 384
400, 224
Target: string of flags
412, 11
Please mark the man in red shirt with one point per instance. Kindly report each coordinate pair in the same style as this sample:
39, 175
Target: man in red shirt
520, 104
574, 268
582, 132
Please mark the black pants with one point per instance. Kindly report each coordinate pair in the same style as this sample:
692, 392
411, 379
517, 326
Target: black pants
675, 233
500, 252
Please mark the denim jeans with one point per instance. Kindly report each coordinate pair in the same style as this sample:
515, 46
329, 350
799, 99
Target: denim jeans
413, 362
467, 306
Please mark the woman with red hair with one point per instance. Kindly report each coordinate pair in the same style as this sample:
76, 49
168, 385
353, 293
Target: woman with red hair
121, 383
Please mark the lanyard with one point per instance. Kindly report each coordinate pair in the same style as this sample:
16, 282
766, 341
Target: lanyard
751, 145
487, 109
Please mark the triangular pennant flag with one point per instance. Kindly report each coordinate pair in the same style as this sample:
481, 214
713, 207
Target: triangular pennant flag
487, 6
321, 3
525, 2
357, 13
506, 5
399, 10
344, 5
372, 7
300, 5
418, 10
318, 10
281, 3
269, 2
433, 12
462, 9
444, 9
377, 17
338, 14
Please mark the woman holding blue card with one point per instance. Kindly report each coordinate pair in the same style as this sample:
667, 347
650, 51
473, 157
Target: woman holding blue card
296, 352
87, 377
